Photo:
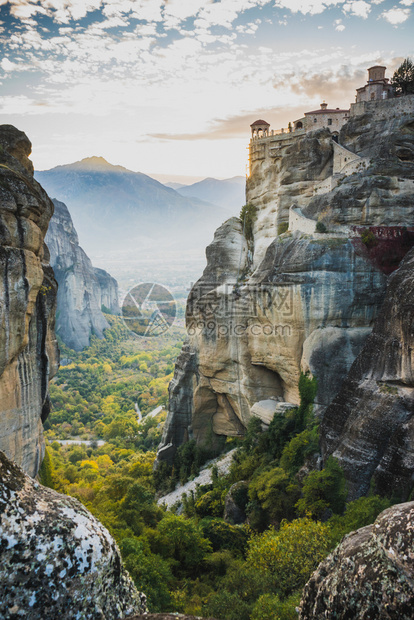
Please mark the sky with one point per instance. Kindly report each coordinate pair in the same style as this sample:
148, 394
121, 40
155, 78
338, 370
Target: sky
170, 87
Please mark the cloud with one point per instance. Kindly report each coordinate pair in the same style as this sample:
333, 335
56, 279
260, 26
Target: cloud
237, 126
359, 8
9, 66
396, 16
61, 11
307, 7
333, 86
148, 10
339, 25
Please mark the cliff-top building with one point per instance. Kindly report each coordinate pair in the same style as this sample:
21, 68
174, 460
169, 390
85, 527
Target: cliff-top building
331, 118
377, 88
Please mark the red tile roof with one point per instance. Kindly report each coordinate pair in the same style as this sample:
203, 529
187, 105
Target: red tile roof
326, 111
259, 122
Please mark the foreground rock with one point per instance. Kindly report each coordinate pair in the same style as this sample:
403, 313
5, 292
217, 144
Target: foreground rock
84, 291
56, 559
28, 348
370, 575
167, 617
369, 427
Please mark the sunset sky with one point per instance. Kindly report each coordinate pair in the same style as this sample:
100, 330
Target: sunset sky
171, 87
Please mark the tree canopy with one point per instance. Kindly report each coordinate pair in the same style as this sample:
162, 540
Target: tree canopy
403, 78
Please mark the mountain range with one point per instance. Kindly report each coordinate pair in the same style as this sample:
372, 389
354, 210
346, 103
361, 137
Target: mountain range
115, 209
225, 193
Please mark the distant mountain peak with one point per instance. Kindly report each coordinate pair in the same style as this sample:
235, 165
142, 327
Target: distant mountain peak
92, 164
95, 161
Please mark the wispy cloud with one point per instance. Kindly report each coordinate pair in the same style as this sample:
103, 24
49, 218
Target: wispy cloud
183, 70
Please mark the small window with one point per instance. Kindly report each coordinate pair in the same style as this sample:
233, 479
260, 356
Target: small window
372, 96
329, 121
315, 120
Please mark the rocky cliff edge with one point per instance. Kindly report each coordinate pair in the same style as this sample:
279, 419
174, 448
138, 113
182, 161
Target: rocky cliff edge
84, 291
28, 349
278, 298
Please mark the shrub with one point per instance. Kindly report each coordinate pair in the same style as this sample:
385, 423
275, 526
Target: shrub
298, 448
183, 541
150, 573
369, 239
227, 606
46, 471
321, 228
223, 535
359, 513
270, 607
248, 216
289, 556
282, 228
308, 387
276, 493
323, 490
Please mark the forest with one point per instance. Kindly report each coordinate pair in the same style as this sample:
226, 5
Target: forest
250, 562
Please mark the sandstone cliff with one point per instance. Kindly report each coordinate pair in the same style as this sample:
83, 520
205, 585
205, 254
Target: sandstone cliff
83, 290
369, 575
369, 427
56, 559
28, 349
274, 304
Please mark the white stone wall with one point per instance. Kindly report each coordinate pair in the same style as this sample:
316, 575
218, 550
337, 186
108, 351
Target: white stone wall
323, 187
356, 165
342, 157
338, 120
298, 222
374, 92
385, 109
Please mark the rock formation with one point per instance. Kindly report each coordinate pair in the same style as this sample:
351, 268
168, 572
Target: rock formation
369, 427
167, 616
273, 304
369, 575
56, 559
83, 290
28, 349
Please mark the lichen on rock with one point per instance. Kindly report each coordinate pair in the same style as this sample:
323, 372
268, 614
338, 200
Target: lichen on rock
369, 575
56, 559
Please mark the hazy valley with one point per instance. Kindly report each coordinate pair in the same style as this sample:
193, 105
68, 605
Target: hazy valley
284, 344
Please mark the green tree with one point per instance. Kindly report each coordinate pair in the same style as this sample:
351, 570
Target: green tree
248, 216
403, 78
46, 471
276, 493
227, 606
151, 574
270, 607
288, 557
298, 448
323, 490
183, 541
